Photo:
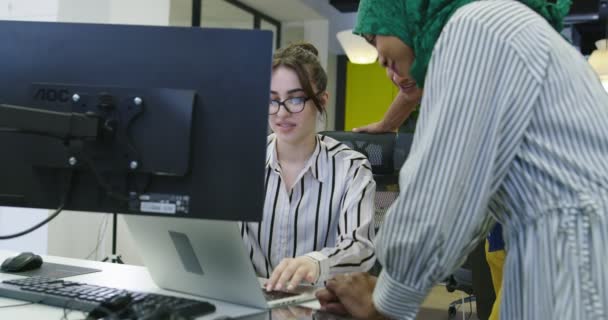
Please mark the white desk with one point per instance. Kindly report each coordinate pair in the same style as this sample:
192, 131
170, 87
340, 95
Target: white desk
113, 275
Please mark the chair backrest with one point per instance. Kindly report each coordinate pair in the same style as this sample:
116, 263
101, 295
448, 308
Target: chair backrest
378, 148
386, 153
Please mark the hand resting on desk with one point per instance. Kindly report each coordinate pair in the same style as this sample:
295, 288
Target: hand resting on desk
350, 294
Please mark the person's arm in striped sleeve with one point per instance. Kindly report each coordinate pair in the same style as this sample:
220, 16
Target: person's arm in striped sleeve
354, 250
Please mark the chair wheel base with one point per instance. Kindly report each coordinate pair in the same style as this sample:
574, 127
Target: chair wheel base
451, 312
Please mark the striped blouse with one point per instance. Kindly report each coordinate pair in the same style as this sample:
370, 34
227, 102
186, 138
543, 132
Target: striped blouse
513, 125
328, 215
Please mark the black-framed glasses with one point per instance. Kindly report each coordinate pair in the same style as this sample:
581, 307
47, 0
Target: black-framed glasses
292, 105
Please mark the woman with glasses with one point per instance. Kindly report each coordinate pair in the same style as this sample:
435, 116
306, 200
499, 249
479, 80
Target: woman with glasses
512, 126
319, 205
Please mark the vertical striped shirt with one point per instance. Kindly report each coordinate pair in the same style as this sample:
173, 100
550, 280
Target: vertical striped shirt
327, 215
513, 125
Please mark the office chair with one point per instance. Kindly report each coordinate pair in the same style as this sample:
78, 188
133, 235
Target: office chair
386, 153
461, 280
473, 278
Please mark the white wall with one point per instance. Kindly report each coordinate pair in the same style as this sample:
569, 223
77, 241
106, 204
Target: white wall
31, 10
317, 33
13, 220
338, 21
180, 13
89, 11
332, 68
89, 235
142, 12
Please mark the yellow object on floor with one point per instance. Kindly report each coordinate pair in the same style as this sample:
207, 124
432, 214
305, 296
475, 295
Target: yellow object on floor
496, 261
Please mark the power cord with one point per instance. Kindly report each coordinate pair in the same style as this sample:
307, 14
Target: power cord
101, 232
100, 180
17, 305
470, 309
64, 201
67, 311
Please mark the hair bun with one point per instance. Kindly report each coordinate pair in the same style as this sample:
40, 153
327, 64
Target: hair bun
306, 46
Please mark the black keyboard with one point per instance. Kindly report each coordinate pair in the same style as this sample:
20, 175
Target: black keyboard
87, 298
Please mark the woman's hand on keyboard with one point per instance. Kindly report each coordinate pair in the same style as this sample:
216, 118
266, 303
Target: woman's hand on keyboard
291, 272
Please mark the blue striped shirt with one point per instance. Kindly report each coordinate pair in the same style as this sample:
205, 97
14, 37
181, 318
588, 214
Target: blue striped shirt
513, 126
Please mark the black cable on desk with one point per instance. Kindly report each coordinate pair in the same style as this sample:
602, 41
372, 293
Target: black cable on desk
17, 305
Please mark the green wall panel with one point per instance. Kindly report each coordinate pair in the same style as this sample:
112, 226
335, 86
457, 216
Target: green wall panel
368, 94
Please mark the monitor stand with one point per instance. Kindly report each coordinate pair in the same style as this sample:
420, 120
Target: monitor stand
114, 257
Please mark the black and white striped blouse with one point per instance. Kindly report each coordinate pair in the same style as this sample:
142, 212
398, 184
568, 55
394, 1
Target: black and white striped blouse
514, 125
328, 215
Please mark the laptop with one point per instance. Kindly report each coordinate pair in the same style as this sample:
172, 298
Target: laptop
205, 258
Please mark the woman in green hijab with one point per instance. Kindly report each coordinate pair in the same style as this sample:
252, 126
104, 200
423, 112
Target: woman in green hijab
511, 127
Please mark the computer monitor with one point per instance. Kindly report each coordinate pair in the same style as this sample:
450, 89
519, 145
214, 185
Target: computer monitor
585, 7
168, 121
587, 19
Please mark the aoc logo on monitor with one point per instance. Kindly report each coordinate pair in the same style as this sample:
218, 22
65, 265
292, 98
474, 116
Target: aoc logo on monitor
52, 94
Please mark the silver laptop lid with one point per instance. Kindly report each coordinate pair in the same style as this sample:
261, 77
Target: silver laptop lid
200, 257
205, 258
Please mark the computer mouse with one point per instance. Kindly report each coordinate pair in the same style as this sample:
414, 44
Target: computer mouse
24, 261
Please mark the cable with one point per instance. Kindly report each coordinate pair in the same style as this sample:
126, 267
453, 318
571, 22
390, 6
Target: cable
97, 175
102, 182
64, 201
67, 311
470, 308
17, 305
100, 237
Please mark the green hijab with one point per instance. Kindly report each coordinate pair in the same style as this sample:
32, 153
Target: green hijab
418, 23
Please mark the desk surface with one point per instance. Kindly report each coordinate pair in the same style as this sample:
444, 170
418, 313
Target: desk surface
138, 279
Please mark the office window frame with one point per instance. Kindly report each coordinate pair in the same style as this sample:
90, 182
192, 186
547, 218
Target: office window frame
258, 17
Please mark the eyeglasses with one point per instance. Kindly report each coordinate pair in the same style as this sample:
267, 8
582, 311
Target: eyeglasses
292, 105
